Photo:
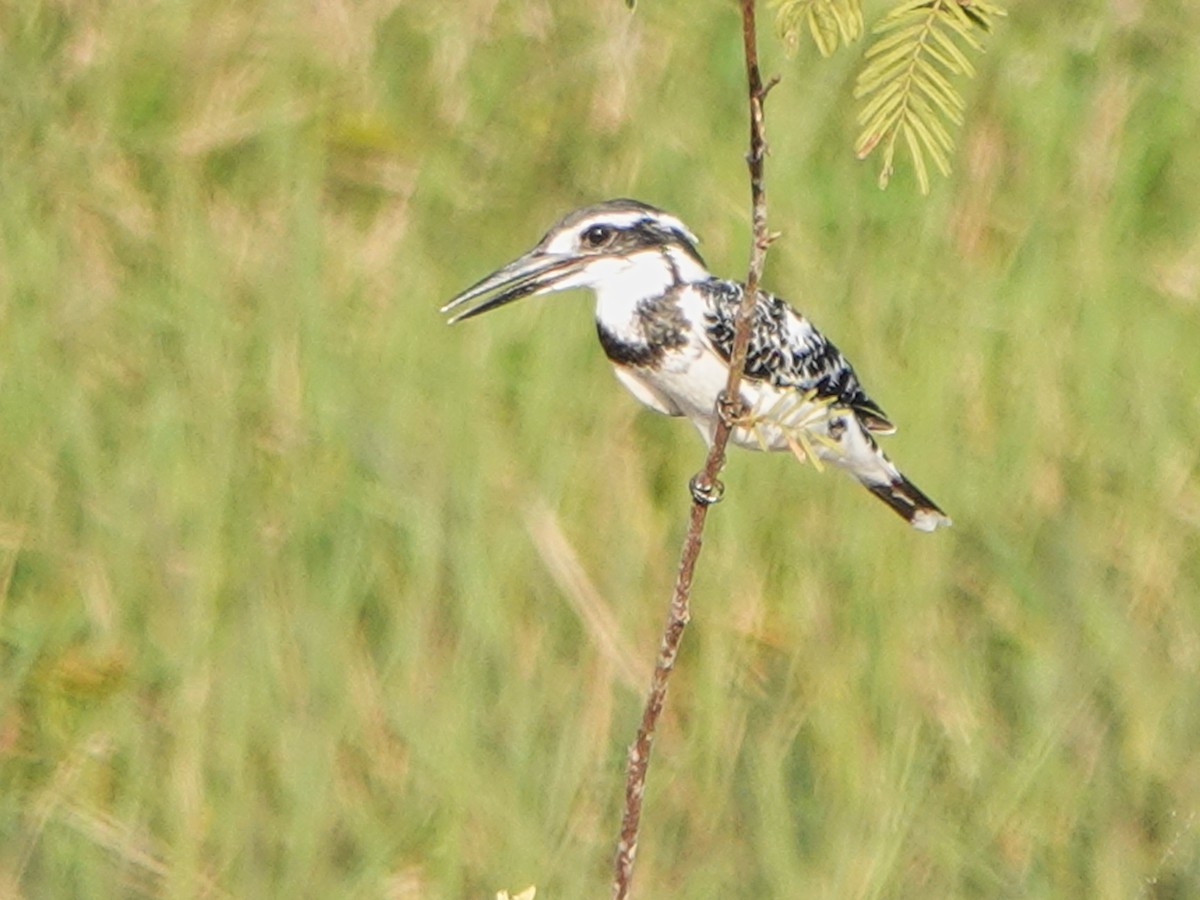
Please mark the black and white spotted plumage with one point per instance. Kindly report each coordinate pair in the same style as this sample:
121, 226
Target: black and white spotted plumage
786, 351
667, 326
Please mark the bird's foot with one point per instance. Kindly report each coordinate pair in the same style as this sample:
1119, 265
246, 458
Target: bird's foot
704, 491
732, 410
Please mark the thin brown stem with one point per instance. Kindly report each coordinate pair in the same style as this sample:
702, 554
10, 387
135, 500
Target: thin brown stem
705, 485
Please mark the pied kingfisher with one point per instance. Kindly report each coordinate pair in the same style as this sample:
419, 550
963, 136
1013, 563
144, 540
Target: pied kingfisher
667, 326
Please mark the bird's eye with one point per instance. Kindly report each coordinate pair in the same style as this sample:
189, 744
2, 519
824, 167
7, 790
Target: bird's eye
597, 236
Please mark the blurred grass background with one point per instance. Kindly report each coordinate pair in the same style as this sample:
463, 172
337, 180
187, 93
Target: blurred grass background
303, 594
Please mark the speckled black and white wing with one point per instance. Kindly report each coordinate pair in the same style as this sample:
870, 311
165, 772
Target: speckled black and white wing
787, 352
804, 396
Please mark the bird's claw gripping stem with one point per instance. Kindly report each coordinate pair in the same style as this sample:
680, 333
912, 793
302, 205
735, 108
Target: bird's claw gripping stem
704, 491
731, 410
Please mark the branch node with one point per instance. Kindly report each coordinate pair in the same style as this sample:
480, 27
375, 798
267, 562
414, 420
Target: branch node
769, 239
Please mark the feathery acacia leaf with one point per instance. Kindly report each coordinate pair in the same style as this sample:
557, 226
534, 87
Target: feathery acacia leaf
832, 23
907, 81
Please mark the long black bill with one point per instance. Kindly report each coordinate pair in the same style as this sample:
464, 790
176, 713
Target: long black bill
533, 273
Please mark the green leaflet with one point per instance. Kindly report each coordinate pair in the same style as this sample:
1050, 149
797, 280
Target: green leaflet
832, 23
907, 85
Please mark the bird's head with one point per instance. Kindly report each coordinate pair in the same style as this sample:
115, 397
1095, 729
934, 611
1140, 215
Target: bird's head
593, 247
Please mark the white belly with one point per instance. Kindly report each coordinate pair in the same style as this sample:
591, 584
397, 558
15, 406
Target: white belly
689, 382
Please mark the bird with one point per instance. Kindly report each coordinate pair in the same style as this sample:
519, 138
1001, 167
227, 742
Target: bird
667, 326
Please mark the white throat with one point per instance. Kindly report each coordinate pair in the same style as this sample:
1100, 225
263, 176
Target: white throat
622, 283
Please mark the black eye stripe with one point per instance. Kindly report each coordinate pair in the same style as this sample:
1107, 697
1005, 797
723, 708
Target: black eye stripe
639, 234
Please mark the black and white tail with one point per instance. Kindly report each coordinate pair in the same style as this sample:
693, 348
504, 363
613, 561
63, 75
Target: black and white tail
858, 455
909, 502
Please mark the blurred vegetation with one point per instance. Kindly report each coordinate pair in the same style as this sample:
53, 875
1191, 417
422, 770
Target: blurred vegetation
303, 594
